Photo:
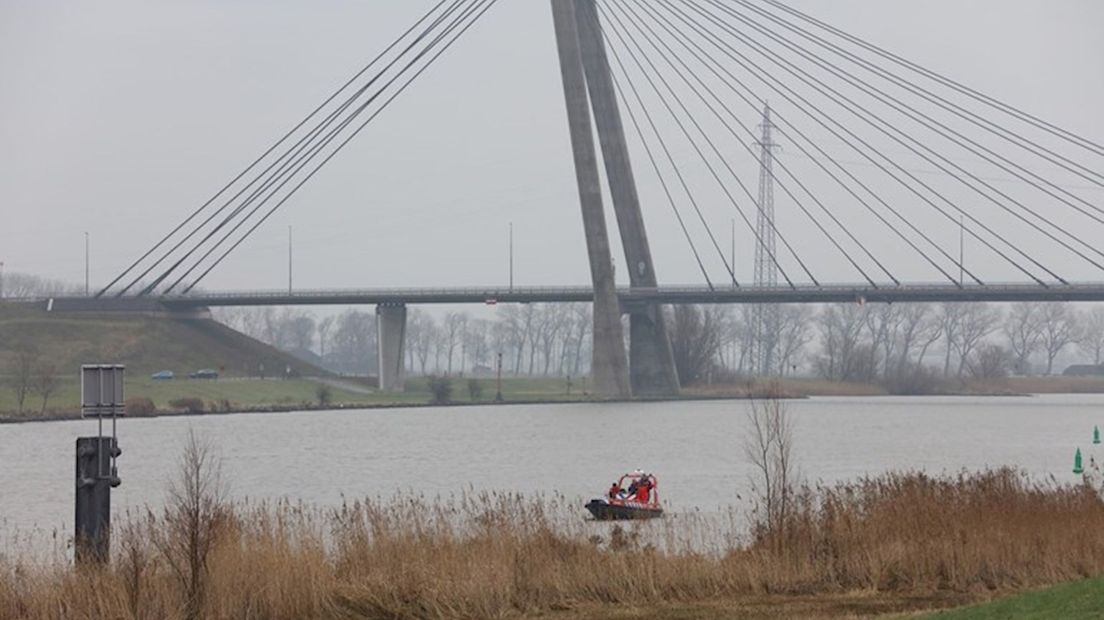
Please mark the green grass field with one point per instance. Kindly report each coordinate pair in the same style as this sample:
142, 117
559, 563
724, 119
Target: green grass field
244, 394
1071, 601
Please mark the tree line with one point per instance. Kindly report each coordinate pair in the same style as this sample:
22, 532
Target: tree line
892, 343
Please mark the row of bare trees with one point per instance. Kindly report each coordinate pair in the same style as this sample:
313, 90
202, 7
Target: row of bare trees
858, 342
30, 375
844, 342
534, 339
16, 285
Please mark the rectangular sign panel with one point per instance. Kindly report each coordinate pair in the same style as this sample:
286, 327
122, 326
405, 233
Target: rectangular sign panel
102, 389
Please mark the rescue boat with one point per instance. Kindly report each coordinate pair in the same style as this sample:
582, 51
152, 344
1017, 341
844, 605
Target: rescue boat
634, 496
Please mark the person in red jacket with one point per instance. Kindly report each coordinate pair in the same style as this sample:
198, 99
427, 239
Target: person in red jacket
642, 490
614, 491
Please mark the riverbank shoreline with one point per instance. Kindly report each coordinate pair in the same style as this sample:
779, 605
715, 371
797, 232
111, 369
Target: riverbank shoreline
551, 392
74, 416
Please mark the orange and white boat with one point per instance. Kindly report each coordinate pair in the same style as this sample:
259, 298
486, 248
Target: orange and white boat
634, 496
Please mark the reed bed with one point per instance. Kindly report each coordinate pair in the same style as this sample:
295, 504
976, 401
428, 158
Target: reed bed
504, 555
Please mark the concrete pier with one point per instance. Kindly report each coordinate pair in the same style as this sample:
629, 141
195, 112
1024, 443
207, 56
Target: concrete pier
94, 480
391, 339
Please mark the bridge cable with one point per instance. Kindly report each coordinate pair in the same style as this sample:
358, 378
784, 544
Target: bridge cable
1025, 117
288, 159
701, 154
317, 148
650, 34
1008, 135
943, 131
663, 181
261, 158
670, 159
486, 5
729, 79
882, 126
289, 156
776, 84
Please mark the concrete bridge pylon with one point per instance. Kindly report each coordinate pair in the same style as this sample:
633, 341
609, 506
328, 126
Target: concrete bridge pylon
609, 365
391, 347
590, 94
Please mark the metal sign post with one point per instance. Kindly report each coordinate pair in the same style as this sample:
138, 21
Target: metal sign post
96, 470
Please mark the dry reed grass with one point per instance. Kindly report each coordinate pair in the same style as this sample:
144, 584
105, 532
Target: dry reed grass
502, 555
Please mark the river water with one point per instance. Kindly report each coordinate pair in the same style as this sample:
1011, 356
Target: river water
577, 450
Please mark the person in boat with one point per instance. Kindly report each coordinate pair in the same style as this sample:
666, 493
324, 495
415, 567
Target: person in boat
643, 490
633, 486
615, 491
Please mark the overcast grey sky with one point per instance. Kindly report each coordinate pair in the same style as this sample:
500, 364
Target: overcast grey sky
119, 117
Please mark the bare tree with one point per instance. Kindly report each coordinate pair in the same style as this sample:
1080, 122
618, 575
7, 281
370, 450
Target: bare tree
21, 374
843, 354
1059, 330
695, 342
553, 323
17, 285
1092, 334
768, 445
476, 343
965, 328
45, 383
453, 334
794, 334
583, 320
300, 329
990, 361
323, 328
421, 333
194, 517
918, 332
1024, 330
353, 345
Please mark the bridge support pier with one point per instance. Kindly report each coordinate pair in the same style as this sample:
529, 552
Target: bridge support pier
391, 347
651, 360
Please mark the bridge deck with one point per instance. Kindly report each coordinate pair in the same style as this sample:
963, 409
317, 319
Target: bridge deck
664, 295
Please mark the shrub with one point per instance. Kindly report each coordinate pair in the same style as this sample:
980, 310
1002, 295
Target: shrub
441, 389
140, 406
324, 394
475, 389
189, 404
913, 380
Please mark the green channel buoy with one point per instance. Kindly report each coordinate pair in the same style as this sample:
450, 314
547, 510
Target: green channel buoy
1078, 467
1096, 435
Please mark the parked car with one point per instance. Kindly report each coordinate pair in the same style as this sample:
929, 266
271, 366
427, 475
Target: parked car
164, 375
206, 373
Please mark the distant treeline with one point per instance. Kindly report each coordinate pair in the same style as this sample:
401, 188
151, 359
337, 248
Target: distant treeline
904, 345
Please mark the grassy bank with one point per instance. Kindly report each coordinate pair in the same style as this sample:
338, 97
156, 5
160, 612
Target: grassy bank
1082, 600
903, 542
238, 394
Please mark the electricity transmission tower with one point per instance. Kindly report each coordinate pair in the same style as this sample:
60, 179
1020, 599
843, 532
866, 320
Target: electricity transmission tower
766, 265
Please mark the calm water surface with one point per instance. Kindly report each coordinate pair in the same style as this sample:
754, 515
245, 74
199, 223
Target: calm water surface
577, 450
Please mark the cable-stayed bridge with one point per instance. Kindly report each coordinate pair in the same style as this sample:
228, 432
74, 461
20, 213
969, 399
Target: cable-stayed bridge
679, 88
